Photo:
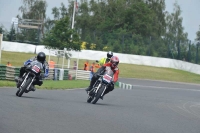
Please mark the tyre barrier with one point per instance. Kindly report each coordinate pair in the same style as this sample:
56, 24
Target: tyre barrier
10, 72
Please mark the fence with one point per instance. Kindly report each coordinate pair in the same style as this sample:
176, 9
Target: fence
9, 73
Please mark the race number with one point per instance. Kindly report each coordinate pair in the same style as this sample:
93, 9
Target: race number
107, 78
36, 69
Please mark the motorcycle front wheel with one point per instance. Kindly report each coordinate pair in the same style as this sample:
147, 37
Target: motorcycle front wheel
17, 92
90, 98
23, 88
98, 94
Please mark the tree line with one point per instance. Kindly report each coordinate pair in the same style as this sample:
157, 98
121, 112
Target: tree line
141, 27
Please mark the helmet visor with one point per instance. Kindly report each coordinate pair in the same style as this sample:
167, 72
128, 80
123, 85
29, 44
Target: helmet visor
114, 63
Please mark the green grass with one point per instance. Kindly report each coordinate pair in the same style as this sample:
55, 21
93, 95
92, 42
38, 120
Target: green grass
17, 59
157, 73
4, 83
126, 70
64, 84
49, 84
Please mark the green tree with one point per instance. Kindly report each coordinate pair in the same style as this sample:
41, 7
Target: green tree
2, 29
48, 25
11, 35
56, 13
63, 10
34, 10
198, 35
159, 23
175, 35
4, 32
60, 35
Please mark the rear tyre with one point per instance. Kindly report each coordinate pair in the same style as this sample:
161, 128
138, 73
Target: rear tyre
98, 95
23, 88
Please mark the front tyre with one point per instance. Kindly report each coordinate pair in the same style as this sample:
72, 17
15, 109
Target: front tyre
17, 92
23, 88
98, 95
90, 98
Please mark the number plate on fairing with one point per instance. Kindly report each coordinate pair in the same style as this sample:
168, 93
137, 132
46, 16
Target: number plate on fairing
36, 68
107, 78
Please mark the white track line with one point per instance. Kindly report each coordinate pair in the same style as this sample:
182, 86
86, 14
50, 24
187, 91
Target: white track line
161, 81
157, 87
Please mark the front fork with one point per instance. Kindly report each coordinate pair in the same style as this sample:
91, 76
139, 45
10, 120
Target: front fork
30, 83
104, 90
105, 87
98, 87
24, 81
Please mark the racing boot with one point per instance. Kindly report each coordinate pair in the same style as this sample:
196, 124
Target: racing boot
88, 89
32, 88
92, 82
106, 92
18, 81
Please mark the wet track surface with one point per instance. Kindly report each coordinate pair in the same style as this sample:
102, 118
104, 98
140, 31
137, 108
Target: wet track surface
150, 107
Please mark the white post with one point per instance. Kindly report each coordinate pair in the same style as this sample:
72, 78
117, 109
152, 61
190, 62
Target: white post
63, 59
49, 55
77, 64
68, 63
1, 38
73, 17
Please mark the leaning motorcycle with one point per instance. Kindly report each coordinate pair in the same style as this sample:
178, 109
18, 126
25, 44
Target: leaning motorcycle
100, 86
32, 71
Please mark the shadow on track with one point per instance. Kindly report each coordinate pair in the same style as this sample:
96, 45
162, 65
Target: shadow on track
34, 97
31, 97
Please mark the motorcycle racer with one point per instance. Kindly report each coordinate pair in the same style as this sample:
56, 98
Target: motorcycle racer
114, 61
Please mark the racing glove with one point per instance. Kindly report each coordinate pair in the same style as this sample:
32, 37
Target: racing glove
46, 74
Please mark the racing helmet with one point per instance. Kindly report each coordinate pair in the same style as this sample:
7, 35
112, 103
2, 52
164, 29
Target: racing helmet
109, 54
114, 61
41, 57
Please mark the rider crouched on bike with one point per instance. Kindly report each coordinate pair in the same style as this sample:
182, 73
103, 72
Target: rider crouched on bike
114, 61
41, 57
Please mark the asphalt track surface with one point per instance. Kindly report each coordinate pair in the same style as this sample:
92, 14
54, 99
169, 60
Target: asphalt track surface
150, 107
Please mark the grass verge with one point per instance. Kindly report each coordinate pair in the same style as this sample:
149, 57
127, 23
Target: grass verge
158, 73
50, 84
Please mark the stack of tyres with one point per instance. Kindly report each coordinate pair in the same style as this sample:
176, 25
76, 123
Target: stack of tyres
2, 72
66, 75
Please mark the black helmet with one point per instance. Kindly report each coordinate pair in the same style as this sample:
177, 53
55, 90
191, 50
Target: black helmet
41, 57
109, 54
